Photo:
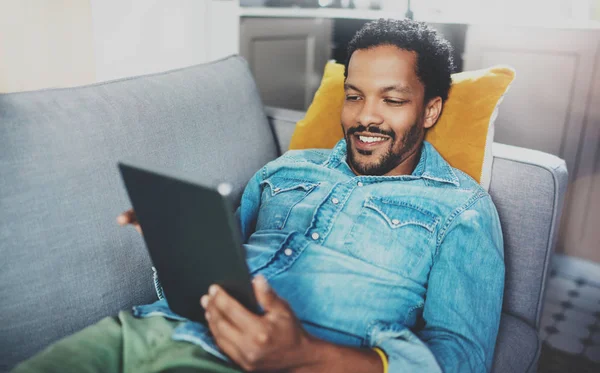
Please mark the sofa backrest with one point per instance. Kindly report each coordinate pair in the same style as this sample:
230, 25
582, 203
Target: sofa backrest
65, 263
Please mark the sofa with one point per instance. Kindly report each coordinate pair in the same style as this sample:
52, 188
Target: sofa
65, 263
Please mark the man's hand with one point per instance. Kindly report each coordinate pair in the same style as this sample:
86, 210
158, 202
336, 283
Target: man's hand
274, 341
128, 217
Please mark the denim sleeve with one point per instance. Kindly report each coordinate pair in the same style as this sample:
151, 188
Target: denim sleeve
463, 301
247, 212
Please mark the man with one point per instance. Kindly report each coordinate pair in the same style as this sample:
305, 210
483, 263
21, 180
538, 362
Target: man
387, 257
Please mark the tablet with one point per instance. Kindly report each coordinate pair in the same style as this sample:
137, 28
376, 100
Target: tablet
191, 235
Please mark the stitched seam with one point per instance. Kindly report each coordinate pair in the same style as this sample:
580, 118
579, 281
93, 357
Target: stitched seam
307, 186
470, 202
430, 227
406, 204
413, 309
557, 204
473, 180
273, 256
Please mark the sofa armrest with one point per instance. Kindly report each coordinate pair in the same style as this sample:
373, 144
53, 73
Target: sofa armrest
517, 346
528, 188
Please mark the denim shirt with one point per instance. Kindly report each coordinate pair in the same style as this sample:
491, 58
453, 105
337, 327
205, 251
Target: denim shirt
412, 264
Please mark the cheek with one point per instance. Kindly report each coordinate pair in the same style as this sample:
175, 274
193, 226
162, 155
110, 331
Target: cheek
400, 121
347, 117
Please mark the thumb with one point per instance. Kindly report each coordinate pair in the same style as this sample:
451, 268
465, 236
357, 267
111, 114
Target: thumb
265, 295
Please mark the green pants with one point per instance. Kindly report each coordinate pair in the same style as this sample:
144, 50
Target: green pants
125, 344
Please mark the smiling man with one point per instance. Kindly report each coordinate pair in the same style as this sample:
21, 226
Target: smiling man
373, 256
387, 111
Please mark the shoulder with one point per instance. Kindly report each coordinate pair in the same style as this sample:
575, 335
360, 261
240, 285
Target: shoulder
317, 156
312, 156
466, 182
296, 163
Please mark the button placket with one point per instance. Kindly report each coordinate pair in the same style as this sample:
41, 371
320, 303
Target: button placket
325, 215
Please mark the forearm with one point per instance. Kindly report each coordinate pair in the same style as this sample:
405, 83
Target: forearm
321, 356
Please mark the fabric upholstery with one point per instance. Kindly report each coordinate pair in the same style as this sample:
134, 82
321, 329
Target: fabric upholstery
528, 188
65, 262
463, 135
517, 346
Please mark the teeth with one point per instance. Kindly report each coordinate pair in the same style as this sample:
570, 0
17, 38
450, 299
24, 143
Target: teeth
370, 139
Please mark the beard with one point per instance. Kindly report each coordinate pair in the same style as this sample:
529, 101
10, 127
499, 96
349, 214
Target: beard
391, 158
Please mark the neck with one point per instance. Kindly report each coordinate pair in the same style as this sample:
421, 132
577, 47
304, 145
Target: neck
407, 165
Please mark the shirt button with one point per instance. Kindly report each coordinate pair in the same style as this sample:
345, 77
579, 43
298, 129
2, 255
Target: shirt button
335, 201
276, 190
315, 236
288, 251
360, 183
395, 221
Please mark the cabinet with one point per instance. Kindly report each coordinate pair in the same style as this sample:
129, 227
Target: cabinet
553, 106
287, 57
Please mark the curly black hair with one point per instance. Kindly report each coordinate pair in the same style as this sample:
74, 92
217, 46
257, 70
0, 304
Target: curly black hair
435, 63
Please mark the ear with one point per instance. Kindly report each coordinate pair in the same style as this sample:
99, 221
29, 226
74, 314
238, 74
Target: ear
433, 110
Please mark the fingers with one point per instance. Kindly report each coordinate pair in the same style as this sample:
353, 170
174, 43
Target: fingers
243, 341
127, 217
219, 304
230, 348
222, 327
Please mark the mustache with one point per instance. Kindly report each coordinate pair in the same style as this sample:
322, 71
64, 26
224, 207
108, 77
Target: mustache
375, 130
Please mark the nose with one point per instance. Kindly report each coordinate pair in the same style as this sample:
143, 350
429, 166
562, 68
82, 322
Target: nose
369, 114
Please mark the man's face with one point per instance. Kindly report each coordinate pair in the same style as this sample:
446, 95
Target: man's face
384, 115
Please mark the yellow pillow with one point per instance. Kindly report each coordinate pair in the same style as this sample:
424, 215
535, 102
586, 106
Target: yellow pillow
463, 134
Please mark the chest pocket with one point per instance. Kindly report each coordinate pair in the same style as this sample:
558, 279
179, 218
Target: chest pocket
279, 196
392, 235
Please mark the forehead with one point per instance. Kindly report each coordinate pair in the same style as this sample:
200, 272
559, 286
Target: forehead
383, 66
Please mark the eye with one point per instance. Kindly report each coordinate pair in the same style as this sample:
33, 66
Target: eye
352, 97
395, 102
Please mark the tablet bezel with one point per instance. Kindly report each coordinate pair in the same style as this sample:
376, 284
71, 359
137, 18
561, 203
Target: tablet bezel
177, 215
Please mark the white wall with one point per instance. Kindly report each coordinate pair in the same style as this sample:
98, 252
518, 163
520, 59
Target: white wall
45, 43
134, 37
62, 43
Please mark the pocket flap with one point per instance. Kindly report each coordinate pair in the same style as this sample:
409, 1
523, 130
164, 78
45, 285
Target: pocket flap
280, 185
398, 214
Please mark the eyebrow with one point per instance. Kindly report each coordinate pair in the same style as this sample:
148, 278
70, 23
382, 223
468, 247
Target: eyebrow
398, 88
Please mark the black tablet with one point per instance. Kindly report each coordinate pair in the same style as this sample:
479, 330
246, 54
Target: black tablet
192, 237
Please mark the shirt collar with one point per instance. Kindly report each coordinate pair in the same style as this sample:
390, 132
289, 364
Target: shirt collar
431, 165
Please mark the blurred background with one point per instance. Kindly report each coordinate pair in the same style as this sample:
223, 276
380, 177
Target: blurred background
552, 44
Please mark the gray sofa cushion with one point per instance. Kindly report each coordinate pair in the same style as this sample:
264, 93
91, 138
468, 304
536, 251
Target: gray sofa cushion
65, 262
